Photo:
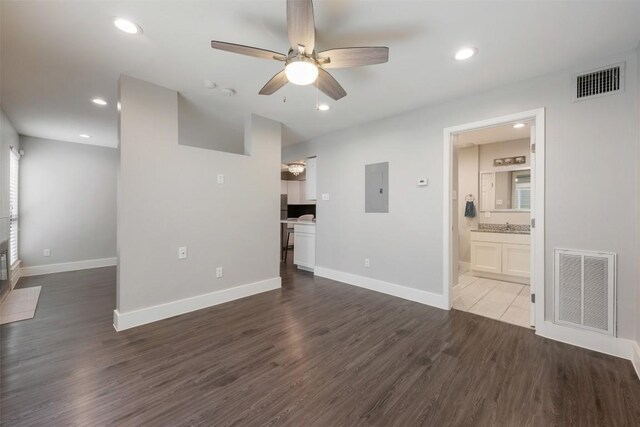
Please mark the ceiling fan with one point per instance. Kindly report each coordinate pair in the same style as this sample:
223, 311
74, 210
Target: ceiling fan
303, 65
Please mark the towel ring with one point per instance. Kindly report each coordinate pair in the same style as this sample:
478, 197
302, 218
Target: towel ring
469, 198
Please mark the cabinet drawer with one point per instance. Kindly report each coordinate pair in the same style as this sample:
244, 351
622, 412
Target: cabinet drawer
486, 256
518, 239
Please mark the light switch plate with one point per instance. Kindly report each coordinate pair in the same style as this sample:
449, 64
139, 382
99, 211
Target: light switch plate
182, 252
47, 252
325, 196
220, 178
487, 214
367, 262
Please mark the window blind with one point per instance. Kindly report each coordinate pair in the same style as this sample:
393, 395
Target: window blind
14, 164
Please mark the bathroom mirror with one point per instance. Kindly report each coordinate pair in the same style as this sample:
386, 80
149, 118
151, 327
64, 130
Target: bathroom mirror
505, 190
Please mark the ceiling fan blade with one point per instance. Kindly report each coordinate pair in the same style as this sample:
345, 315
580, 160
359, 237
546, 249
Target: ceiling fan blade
248, 50
274, 84
353, 56
300, 25
329, 86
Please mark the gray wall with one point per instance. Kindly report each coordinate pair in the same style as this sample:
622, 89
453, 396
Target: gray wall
591, 161
67, 201
168, 197
8, 137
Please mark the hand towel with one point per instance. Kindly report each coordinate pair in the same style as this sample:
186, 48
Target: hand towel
470, 210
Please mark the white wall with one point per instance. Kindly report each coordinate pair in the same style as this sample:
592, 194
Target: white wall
168, 197
467, 184
591, 161
67, 202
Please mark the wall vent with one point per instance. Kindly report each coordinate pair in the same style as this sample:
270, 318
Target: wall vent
599, 82
584, 285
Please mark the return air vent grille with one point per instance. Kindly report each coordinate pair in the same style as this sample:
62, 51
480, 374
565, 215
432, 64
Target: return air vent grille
603, 81
585, 290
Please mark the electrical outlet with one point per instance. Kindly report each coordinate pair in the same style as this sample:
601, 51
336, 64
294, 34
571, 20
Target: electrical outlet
47, 252
487, 214
219, 273
220, 178
182, 252
367, 263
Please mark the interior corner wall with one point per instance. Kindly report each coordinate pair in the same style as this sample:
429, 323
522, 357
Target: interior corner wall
591, 161
168, 197
467, 184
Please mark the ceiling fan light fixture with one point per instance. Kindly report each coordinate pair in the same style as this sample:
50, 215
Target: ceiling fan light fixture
301, 71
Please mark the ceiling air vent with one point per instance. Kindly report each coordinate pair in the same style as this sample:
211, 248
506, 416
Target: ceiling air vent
603, 81
585, 290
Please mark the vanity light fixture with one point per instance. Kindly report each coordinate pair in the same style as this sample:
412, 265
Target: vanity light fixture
519, 125
465, 53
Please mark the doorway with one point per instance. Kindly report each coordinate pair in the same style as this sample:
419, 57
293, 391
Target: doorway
508, 189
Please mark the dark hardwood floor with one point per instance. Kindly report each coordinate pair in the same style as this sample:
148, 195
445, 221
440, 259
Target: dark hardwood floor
316, 352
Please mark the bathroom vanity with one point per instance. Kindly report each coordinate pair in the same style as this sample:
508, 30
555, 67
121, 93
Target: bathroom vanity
501, 253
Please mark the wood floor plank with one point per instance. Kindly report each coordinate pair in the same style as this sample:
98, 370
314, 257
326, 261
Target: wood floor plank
315, 353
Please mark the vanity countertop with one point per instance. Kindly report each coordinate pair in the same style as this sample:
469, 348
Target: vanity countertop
503, 228
296, 221
505, 231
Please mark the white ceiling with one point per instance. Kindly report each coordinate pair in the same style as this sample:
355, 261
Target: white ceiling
58, 55
493, 134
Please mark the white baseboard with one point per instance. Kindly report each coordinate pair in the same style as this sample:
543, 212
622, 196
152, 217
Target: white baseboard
411, 294
607, 344
635, 358
37, 270
122, 321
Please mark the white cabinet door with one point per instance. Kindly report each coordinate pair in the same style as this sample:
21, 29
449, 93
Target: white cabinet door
311, 178
284, 188
304, 252
516, 260
293, 192
486, 256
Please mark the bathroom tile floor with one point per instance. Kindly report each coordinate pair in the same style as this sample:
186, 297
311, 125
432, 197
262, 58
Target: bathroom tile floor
504, 301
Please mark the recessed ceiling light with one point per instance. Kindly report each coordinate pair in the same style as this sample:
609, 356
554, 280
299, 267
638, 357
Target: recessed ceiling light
465, 53
84, 135
99, 101
323, 107
127, 26
519, 125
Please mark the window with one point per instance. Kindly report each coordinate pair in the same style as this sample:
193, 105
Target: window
14, 164
522, 190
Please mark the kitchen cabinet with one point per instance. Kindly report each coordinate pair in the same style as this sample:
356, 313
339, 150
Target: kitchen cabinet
304, 254
503, 256
297, 193
311, 181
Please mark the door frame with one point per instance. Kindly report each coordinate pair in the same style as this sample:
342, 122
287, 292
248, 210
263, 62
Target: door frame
537, 118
